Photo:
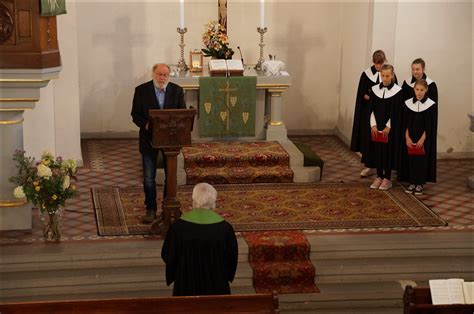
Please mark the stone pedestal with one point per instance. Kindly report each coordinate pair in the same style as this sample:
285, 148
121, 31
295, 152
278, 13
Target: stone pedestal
19, 91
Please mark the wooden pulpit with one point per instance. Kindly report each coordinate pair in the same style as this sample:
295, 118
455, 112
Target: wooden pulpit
171, 130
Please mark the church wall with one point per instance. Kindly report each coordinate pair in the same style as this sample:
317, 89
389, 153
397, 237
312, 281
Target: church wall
118, 48
441, 33
118, 43
66, 89
325, 46
54, 123
356, 56
307, 37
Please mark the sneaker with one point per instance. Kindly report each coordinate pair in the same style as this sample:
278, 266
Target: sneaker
410, 189
376, 184
386, 184
150, 216
367, 172
419, 190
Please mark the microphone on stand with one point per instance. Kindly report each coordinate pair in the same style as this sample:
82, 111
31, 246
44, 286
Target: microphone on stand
241, 58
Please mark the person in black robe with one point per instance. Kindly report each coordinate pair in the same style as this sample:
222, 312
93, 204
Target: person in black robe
360, 126
385, 103
418, 73
200, 249
419, 125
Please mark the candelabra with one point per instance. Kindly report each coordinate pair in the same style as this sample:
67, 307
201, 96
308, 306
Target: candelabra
181, 63
260, 62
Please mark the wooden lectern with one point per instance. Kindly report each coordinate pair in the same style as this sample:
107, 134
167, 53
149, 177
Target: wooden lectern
171, 130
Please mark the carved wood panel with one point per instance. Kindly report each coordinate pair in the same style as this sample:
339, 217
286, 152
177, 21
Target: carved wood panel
7, 23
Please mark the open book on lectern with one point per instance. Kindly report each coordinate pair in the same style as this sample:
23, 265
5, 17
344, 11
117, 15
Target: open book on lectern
223, 67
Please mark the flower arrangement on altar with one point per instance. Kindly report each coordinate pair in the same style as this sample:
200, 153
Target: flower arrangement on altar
46, 184
216, 41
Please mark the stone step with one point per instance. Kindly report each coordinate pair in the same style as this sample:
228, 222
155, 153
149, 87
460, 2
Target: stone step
356, 273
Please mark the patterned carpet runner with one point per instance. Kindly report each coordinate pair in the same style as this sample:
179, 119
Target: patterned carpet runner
237, 162
297, 206
280, 262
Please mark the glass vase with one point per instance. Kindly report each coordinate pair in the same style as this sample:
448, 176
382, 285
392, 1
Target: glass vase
52, 224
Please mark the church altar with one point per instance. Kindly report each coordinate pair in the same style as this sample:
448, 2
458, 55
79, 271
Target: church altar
269, 124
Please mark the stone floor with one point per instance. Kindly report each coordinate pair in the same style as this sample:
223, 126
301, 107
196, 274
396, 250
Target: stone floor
117, 162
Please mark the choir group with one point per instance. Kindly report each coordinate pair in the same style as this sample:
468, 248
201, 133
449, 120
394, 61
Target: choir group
395, 128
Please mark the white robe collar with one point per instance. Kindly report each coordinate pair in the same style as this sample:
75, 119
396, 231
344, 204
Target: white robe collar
373, 77
419, 106
411, 82
384, 92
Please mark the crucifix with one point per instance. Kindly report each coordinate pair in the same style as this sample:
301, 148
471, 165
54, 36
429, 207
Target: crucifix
232, 100
222, 12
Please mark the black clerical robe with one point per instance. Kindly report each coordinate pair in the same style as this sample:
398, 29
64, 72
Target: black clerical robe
200, 252
409, 92
360, 126
419, 117
386, 105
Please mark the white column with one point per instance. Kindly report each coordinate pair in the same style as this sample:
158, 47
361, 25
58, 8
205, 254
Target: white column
276, 130
19, 91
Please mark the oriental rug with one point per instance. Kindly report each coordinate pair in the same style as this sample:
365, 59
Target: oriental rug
281, 262
237, 163
276, 207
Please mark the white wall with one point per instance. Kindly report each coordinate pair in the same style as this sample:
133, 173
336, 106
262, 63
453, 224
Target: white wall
66, 89
441, 33
356, 56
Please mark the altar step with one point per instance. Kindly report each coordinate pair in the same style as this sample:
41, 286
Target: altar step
355, 273
242, 163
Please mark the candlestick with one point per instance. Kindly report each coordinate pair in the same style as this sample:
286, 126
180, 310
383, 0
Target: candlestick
181, 14
260, 62
181, 63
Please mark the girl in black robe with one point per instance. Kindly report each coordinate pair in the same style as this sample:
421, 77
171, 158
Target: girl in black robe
360, 127
419, 125
418, 72
386, 102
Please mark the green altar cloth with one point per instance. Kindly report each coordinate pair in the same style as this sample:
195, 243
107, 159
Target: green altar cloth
227, 106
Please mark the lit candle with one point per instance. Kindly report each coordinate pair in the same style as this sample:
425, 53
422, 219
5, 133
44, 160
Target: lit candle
262, 14
181, 14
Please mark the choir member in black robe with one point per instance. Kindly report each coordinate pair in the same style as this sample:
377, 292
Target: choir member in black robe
386, 104
200, 250
419, 125
418, 72
360, 126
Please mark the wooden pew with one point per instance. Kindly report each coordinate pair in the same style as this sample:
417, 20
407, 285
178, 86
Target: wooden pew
417, 300
227, 304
